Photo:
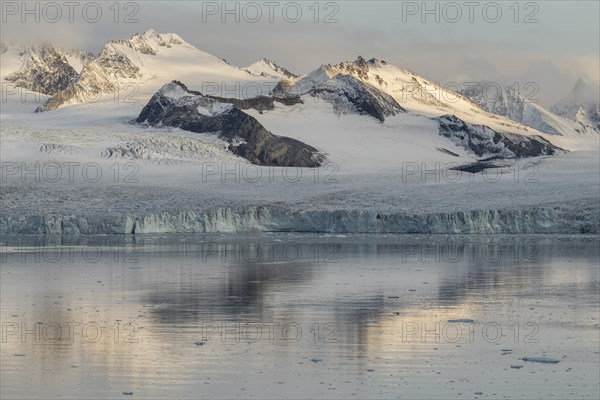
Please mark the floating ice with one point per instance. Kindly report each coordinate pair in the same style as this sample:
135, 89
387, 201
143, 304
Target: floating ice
544, 360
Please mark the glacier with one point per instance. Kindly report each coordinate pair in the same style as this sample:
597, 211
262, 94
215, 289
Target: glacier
538, 220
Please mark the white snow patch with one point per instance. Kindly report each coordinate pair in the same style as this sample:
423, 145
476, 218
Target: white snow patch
212, 109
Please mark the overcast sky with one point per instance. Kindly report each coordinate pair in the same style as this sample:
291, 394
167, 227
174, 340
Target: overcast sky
551, 43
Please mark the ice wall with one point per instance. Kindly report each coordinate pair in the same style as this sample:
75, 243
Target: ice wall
274, 219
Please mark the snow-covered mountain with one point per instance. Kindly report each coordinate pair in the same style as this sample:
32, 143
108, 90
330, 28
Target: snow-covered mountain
370, 88
581, 106
409, 89
145, 61
269, 69
412, 91
512, 104
42, 68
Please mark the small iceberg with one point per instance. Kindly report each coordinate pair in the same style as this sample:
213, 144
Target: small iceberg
544, 360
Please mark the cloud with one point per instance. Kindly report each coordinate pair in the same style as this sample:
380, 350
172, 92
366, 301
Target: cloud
475, 69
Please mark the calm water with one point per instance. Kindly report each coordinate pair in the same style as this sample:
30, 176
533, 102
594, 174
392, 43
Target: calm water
297, 316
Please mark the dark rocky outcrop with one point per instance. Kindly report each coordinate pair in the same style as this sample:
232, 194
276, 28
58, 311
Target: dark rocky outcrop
484, 141
350, 95
174, 105
483, 165
260, 103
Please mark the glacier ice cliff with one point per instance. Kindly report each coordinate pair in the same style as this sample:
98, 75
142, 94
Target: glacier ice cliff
539, 220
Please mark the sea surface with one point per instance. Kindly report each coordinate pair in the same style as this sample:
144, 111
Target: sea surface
300, 316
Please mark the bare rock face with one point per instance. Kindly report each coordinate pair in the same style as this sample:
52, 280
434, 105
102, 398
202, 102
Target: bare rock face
260, 103
176, 106
484, 141
349, 95
358, 68
47, 70
97, 78
112, 69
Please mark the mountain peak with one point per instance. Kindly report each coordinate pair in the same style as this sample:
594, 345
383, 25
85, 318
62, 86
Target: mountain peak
269, 69
360, 61
149, 42
151, 33
167, 38
584, 92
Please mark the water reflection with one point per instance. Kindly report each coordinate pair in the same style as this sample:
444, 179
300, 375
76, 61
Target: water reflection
366, 316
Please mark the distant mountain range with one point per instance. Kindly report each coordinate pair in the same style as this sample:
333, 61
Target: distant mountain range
580, 106
568, 116
72, 76
163, 66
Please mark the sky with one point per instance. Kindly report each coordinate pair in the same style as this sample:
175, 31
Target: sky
548, 43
